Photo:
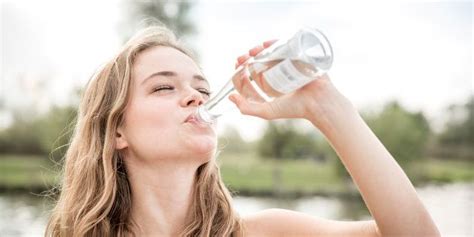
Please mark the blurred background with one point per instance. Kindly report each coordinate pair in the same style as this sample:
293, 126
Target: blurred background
407, 66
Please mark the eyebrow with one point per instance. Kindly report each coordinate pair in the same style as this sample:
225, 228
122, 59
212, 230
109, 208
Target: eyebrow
173, 74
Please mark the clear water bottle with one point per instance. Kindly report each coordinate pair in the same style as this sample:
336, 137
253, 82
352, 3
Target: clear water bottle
282, 68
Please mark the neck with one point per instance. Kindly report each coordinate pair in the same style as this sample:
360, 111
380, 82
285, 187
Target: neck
161, 196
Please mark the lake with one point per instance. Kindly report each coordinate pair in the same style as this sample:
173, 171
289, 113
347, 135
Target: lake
451, 206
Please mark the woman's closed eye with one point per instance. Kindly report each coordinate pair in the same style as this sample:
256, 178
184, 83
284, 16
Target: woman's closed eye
164, 88
204, 91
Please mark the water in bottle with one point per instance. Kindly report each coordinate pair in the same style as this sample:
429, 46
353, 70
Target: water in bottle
282, 68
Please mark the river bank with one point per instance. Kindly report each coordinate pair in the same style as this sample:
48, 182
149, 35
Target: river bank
244, 174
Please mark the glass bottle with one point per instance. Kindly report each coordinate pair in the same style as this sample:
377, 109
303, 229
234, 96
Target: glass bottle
284, 67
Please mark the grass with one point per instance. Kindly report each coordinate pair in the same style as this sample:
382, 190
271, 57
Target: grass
245, 173
253, 174
446, 170
26, 172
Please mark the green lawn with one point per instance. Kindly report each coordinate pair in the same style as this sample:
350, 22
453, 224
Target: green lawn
446, 170
252, 173
26, 172
244, 172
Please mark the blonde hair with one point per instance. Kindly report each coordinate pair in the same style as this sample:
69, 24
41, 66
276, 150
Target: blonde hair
95, 198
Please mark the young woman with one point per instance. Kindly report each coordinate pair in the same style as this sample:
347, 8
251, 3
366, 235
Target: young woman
139, 163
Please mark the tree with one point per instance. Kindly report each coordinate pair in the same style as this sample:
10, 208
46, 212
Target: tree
47, 134
457, 137
460, 130
55, 130
21, 137
284, 141
405, 134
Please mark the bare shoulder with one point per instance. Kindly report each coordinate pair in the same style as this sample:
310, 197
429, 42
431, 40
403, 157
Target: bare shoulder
280, 222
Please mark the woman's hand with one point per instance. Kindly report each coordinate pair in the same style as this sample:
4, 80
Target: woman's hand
385, 188
318, 101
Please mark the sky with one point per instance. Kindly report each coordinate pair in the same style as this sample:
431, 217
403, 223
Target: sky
417, 53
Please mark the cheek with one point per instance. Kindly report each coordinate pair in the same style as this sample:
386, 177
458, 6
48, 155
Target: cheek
157, 130
152, 117
151, 127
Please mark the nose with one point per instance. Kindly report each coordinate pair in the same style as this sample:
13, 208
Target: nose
192, 98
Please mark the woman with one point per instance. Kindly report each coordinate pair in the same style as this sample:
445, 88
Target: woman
139, 163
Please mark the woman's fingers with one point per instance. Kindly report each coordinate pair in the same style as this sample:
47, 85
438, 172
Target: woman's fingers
243, 85
257, 49
241, 59
249, 107
242, 82
253, 52
268, 43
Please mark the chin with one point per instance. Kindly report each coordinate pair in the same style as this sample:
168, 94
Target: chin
204, 147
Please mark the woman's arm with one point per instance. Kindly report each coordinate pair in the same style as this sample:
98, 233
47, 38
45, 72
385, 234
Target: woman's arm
385, 188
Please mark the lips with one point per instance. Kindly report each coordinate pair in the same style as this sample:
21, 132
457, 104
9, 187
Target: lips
191, 118
194, 120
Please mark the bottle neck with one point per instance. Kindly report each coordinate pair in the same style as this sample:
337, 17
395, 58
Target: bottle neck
221, 95
218, 104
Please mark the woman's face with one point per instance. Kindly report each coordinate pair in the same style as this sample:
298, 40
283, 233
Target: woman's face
166, 88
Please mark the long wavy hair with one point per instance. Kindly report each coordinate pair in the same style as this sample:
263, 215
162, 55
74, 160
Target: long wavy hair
95, 195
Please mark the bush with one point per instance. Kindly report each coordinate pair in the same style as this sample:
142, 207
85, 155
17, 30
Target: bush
41, 135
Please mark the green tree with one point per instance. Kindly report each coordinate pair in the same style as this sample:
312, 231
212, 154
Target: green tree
460, 131
405, 134
55, 130
46, 134
457, 138
284, 141
21, 137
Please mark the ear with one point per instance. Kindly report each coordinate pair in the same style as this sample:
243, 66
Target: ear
120, 140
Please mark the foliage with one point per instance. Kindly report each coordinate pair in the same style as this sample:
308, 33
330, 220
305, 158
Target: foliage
284, 141
46, 134
405, 134
21, 137
460, 131
457, 138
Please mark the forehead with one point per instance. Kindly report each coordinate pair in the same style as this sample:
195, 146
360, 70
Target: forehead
163, 58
